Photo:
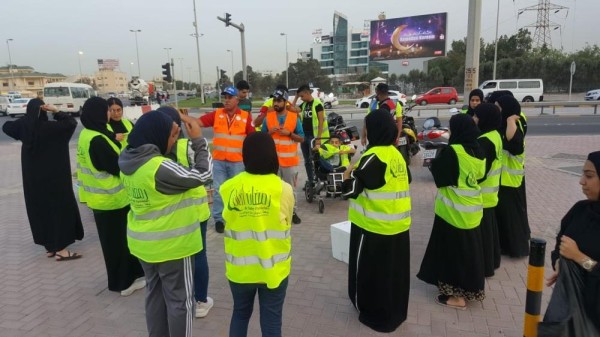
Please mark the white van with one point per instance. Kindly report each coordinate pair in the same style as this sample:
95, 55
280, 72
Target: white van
524, 90
4, 102
68, 97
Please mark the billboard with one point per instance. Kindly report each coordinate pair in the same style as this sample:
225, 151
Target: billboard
409, 37
108, 64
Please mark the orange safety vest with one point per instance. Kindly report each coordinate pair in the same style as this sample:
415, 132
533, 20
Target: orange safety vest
228, 139
287, 149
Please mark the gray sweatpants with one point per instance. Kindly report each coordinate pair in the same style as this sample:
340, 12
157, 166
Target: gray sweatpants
290, 176
169, 297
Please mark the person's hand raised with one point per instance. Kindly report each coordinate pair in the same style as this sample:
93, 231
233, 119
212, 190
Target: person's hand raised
191, 126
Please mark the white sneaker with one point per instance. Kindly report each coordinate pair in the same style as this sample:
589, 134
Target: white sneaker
139, 283
202, 308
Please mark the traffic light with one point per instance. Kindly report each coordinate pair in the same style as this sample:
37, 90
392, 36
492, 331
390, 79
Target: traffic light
167, 72
223, 73
227, 19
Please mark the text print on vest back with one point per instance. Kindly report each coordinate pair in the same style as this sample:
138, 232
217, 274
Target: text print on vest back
397, 168
471, 180
137, 194
253, 203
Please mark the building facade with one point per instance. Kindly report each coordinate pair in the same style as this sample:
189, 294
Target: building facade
111, 80
26, 80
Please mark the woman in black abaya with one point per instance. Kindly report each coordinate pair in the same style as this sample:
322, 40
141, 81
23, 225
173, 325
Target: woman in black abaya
47, 182
379, 261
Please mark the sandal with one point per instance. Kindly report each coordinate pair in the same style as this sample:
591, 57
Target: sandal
70, 256
443, 300
50, 254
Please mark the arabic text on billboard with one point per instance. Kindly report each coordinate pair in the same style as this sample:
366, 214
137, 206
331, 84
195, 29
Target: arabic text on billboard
109, 64
409, 37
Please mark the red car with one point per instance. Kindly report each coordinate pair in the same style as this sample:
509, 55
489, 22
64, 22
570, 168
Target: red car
440, 95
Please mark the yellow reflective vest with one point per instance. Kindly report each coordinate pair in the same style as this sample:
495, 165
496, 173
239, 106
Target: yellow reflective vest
128, 126
491, 184
333, 156
257, 237
462, 206
385, 210
315, 118
161, 227
99, 189
182, 155
513, 167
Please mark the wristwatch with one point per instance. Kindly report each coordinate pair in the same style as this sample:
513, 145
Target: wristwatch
588, 264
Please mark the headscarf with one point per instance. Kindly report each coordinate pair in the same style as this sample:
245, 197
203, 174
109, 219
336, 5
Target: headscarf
474, 92
381, 129
94, 116
463, 131
510, 106
154, 128
493, 96
594, 157
174, 114
489, 117
33, 116
259, 154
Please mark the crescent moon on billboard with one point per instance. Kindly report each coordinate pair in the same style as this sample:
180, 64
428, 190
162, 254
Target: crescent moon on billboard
396, 39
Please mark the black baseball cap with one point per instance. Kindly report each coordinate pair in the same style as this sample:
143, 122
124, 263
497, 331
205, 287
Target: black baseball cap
382, 87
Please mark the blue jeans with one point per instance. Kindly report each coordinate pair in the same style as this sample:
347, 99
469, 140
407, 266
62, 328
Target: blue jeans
201, 268
222, 171
307, 154
271, 308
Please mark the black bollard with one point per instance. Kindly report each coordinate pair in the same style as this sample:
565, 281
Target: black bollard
535, 285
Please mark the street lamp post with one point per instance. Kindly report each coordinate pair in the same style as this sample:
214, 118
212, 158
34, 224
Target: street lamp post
287, 63
9, 64
231, 51
496, 44
181, 67
168, 54
131, 69
197, 36
137, 50
79, 59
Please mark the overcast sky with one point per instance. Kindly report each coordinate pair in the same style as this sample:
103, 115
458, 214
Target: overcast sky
49, 33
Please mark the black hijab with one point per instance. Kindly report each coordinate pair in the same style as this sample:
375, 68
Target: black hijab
154, 128
31, 121
94, 116
260, 156
489, 117
594, 157
510, 106
381, 129
474, 92
463, 131
174, 114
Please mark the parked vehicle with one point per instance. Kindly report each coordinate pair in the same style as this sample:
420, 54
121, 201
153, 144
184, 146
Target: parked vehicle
17, 107
593, 95
440, 95
139, 92
434, 138
68, 97
4, 102
329, 101
395, 95
524, 90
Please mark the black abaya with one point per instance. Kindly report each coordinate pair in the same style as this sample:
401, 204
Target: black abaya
47, 181
513, 225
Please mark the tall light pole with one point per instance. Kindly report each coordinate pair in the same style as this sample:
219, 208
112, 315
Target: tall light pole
473, 42
496, 44
79, 59
9, 64
137, 50
130, 68
181, 67
287, 63
197, 36
168, 54
231, 51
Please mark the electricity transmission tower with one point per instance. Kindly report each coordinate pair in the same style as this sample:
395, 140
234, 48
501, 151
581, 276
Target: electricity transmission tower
543, 26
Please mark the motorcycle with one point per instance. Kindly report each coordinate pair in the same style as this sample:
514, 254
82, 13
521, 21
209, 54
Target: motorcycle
434, 138
408, 142
338, 127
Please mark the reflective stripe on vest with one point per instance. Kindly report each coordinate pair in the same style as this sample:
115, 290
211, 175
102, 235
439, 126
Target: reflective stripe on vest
462, 206
257, 236
385, 210
161, 227
228, 139
182, 156
99, 189
513, 167
315, 118
287, 149
490, 186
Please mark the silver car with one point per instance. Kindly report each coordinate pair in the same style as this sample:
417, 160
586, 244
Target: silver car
593, 95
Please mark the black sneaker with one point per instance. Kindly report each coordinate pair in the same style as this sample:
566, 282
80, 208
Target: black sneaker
296, 219
219, 226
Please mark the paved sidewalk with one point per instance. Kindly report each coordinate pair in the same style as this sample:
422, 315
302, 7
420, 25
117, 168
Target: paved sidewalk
41, 297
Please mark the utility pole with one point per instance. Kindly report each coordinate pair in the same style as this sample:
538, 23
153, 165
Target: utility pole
197, 36
496, 43
287, 62
174, 84
10, 83
473, 43
240, 27
137, 50
543, 26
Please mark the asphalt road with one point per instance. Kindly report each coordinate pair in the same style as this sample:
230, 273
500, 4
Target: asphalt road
537, 125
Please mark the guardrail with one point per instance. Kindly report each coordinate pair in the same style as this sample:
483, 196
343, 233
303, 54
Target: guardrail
434, 110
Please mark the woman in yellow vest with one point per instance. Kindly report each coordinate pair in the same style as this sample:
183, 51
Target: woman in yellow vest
120, 126
258, 218
511, 212
163, 227
489, 119
379, 211
453, 259
101, 189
